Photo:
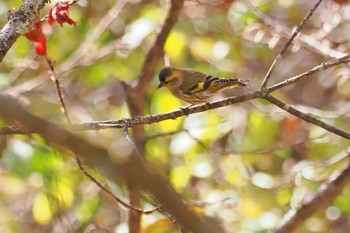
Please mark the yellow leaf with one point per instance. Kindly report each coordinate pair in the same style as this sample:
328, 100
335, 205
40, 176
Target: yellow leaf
64, 195
41, 209
250, 208
180, 176
161, 226
164, 101
175, 46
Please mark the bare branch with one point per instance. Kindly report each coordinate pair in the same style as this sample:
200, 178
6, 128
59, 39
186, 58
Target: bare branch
323, 66
286, 46
306, 117
307, 41
119, 200
59, 89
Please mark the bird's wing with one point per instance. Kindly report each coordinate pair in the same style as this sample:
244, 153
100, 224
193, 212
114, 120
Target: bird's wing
193, 81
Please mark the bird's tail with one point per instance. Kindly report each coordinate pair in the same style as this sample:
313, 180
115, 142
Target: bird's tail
234, 82
218, 84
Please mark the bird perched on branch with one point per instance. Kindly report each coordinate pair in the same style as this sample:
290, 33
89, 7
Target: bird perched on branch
193, 86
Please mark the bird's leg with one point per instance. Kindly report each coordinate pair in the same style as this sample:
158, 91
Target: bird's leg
184, 110
207, 105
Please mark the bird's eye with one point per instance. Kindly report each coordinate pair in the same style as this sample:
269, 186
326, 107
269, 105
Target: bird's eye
166, 82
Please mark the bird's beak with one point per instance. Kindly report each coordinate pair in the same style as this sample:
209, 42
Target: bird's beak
160, 85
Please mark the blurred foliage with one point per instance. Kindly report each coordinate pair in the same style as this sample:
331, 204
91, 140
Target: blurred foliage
245, 165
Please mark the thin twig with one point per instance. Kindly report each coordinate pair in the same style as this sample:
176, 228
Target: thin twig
59, 89
150, 119
286, 46
342, 110
306, 117
316, 69
307, 41
120, 201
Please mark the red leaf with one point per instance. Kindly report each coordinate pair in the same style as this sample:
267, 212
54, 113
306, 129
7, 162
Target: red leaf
37, 36
59, 14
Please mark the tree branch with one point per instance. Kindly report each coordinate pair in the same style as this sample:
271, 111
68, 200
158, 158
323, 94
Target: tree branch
286, 46
307, 41
316, 69
306, 117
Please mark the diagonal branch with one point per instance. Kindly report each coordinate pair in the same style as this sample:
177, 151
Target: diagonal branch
307, 41
306, 117
59, 89
316, 69
110, 193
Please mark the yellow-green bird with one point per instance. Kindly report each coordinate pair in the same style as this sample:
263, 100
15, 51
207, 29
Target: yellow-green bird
193, 86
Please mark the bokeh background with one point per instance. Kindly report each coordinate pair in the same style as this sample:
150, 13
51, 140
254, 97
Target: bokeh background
244, 165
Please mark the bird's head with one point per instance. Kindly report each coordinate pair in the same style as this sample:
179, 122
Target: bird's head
169, 77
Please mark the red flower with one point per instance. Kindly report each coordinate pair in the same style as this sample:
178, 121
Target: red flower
59, 14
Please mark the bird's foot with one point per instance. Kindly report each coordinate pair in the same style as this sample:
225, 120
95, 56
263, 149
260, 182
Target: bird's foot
184, 110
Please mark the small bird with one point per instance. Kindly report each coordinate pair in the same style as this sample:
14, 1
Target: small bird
193, 86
